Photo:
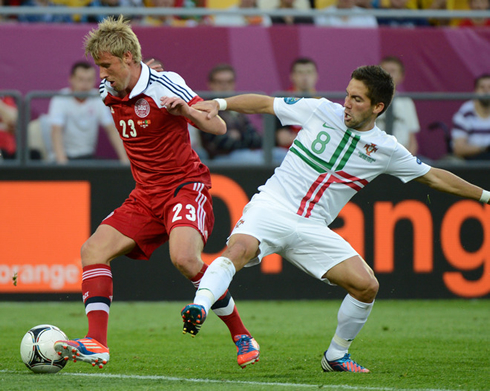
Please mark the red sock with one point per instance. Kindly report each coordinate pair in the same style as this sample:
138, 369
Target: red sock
225, 308
97, 297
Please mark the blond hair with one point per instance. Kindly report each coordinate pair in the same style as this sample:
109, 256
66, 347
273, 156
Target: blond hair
113, 36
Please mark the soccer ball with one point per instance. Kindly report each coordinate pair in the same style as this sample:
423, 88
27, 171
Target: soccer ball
37, 349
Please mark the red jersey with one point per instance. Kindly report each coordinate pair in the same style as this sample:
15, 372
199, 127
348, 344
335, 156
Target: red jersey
157, 143
7, 136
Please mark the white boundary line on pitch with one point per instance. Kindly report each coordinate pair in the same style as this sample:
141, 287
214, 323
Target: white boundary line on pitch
244, 382
254, 383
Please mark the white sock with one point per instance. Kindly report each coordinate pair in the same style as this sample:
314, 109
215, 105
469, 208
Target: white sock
224, 311
215, 282
351, 317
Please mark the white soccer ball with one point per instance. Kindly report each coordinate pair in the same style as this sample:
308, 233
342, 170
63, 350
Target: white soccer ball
37, 349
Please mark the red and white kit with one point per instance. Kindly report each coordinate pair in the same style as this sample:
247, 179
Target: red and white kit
172, 184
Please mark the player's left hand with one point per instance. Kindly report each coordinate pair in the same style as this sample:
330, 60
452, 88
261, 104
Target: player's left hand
156, 65
175, 106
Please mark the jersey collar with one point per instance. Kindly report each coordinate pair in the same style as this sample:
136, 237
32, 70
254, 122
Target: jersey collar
143, 81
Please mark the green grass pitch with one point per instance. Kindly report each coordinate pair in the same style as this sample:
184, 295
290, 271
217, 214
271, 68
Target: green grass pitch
407, 345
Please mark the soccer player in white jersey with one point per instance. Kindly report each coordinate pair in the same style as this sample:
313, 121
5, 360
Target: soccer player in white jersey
337, 153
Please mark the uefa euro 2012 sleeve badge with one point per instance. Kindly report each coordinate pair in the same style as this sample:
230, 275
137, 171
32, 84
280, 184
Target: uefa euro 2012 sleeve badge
291, 101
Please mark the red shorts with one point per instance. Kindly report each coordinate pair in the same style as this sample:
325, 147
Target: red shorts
150, 213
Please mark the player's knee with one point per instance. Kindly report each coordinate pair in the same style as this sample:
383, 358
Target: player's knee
240, 253
369, 290
89, 253
188, 265
241, 249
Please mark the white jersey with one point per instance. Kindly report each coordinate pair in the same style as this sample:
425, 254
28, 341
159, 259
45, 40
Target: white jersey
80, 121
328, 163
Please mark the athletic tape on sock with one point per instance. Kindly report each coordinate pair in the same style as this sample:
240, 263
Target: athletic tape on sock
341, 342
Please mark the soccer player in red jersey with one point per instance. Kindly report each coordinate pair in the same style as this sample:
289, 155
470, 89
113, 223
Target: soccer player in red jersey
171, 200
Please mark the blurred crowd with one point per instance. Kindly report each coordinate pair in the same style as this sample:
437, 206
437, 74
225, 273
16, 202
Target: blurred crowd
53, 136
357, 19
69, 130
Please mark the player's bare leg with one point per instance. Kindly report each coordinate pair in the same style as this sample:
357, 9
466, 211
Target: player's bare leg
103, 246
358, 279
195, 314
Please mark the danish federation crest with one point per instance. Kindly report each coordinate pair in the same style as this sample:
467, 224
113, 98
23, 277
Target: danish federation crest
142, 108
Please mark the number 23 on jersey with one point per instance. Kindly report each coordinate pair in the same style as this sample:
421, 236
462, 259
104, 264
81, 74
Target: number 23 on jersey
127, 128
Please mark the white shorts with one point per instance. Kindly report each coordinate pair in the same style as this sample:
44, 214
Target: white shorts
306, 243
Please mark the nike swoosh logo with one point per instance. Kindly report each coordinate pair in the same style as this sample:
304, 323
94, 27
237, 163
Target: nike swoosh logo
329, 127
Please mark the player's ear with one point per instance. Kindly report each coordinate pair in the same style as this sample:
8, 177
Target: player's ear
128, 58
378, 108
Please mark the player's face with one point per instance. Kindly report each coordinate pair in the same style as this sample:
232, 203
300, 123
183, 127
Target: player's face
359, 113
116, 71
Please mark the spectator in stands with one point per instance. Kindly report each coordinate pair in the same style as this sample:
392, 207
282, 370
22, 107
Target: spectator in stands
242, 20
477, 5
99, 3
358, 19
2, 4
401, 22
173, 20
367, 4
8, 123
449, 5
289, 20
303, 76
402, 113
241, 143
75, 121
471, 124
160, 20
191, 21
45, 17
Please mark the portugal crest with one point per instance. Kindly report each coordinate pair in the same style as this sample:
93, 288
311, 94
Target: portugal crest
370, 148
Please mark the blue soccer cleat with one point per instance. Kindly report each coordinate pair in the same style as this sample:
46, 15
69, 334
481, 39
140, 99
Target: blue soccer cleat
248, 350
193, 316
344, 364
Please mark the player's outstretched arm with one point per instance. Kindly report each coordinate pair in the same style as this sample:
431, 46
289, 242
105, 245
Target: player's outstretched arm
448, 182
177, 106
246, 104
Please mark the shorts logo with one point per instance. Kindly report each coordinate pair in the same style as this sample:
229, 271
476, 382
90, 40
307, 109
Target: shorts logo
418, 161
142, 108
291, 101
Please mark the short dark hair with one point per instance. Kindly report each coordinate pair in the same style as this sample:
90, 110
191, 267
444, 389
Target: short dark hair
302, 61
394, 59
481, 77
379, 84
220, 68
80, 64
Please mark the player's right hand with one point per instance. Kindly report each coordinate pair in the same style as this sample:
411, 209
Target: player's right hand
209, 106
